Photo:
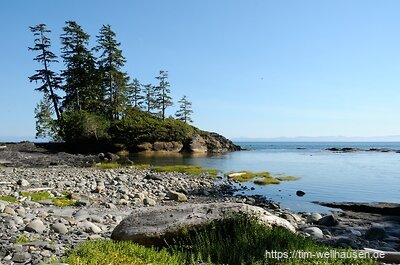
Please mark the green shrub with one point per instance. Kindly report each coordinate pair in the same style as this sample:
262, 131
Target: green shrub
82, 126
138, 127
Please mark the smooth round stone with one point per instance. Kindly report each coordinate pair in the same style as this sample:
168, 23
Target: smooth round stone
36, 226
90, 227
59, 228
313, 218
149, 202
314, 232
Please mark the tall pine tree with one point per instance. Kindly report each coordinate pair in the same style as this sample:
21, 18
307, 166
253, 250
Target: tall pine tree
110, 63
49, 80
45, 124
149, 97
163, 98
82, 88
134, 93
185, 110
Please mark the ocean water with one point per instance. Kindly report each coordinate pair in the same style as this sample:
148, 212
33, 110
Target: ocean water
362, 176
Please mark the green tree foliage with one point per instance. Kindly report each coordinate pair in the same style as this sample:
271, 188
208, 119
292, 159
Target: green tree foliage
81, 87
49, 80
185, 110
163, 98
134, 93
138, 126
45, 124
149, 98
99, 104
82, 126
114, 81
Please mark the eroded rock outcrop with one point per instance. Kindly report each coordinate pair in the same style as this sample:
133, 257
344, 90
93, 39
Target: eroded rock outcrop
204, 142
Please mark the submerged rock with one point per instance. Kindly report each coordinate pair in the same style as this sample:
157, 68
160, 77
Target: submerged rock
300, 193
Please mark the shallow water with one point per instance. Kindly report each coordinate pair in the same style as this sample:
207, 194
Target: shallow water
325, 176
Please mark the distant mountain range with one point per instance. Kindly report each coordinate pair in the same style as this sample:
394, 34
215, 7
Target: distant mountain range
393, 138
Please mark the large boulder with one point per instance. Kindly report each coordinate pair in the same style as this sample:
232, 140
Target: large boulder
150, 226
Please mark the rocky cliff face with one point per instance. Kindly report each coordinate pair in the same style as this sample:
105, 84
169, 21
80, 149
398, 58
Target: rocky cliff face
205, 142
212, 143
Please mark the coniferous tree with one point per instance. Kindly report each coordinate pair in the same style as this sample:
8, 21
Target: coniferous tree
163, 98
45, 124
185, 110
149, 97
114, 81
134, 93
81, 86
49, 79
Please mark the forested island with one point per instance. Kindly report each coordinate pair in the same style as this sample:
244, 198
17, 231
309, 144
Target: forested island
93, 104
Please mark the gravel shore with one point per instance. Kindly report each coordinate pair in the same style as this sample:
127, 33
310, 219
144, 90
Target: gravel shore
94, 201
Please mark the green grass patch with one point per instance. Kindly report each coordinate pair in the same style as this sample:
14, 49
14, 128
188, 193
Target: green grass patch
64, 202
236, 240
37, 196
193, 170
40, 196
107, 252
244, 176
259, 178
25, 239
8, 199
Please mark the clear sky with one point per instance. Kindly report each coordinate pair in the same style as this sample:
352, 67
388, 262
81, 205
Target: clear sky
253, 68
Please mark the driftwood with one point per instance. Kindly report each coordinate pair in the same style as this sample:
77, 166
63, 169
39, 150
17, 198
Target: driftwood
384, 256
37, 189
5, 182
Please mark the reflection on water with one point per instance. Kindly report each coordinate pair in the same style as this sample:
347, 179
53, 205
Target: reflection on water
325, 175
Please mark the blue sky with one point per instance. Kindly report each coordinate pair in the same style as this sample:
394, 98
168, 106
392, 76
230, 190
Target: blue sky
251, 68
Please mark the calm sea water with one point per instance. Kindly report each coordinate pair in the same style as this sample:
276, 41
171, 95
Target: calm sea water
325, 176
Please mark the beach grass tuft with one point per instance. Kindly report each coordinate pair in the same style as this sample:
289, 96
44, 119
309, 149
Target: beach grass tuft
8, 198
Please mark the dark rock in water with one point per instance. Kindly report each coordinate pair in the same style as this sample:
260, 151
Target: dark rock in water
111, 157
375, 233
300, 193
343, 150
379, 208
329, 220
